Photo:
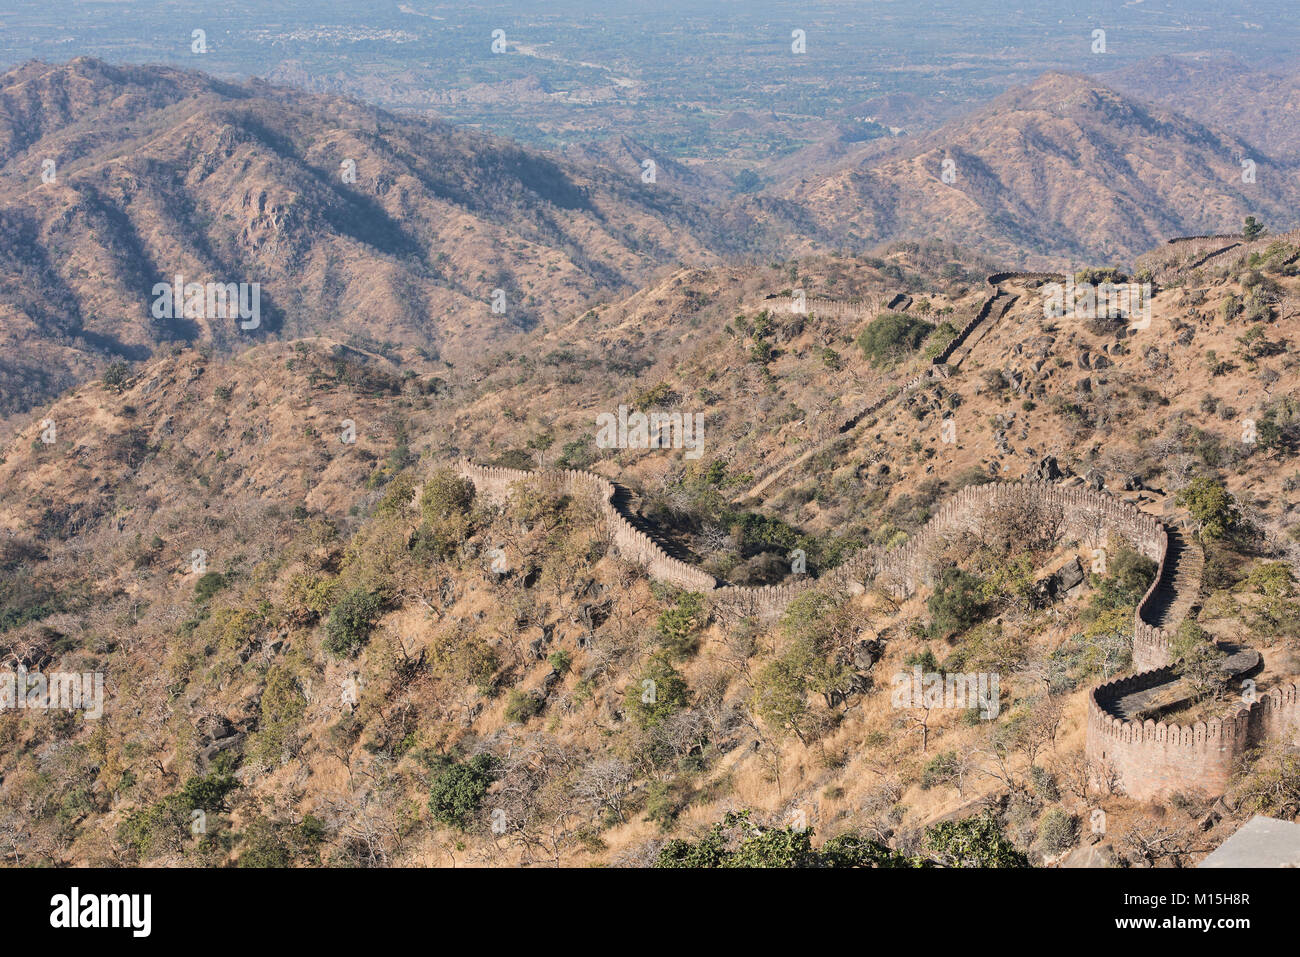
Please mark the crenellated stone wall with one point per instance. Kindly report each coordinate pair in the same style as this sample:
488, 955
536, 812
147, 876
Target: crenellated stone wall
1149, 758
1084, 515
1208, 236
1152, 759
844, 308
634, 545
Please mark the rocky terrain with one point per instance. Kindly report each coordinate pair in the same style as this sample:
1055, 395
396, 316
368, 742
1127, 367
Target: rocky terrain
1061, 167
315, 633
423, 241
389, 232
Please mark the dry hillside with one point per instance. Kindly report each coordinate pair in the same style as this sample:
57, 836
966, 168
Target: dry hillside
158, 172
1063, 167
371, 664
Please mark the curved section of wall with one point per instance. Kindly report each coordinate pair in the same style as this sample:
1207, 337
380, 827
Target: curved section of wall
1087, 516
1084, 515
1150, 643
1151, 759
999, 277
634, 545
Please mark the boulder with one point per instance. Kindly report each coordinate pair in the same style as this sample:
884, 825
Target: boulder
216, 727
1047, 469
866, 653
1068, 576
1059, 582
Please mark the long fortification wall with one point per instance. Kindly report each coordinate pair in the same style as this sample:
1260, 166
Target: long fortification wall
495, 484
1216, 236
1149, 759
844, 308
858, 309
1084, 515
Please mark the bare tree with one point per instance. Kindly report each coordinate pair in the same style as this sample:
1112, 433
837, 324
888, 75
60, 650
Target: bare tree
604, 784
363, 820
1075, 774
922, 724
1154, 843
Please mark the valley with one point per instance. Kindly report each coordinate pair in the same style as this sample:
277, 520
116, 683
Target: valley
725, 437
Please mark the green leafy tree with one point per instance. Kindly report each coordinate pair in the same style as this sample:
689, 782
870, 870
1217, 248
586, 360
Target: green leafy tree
1202, 668
660, 692
456, 789
397, 496
160, 827
891, 336
1213, 507
281, 709
679, 626
816, 631
1271, 785
956, 604
774, 847
1275, 612
164, 826
855, 850
1188, 636
736, 841
521, 705
1010, 582
1057, 830
209, 584
445, 508
263, 846
351, 620
1128, 575
781, 696
943, 768
819, 629
972, 842
208, 792
117, 375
